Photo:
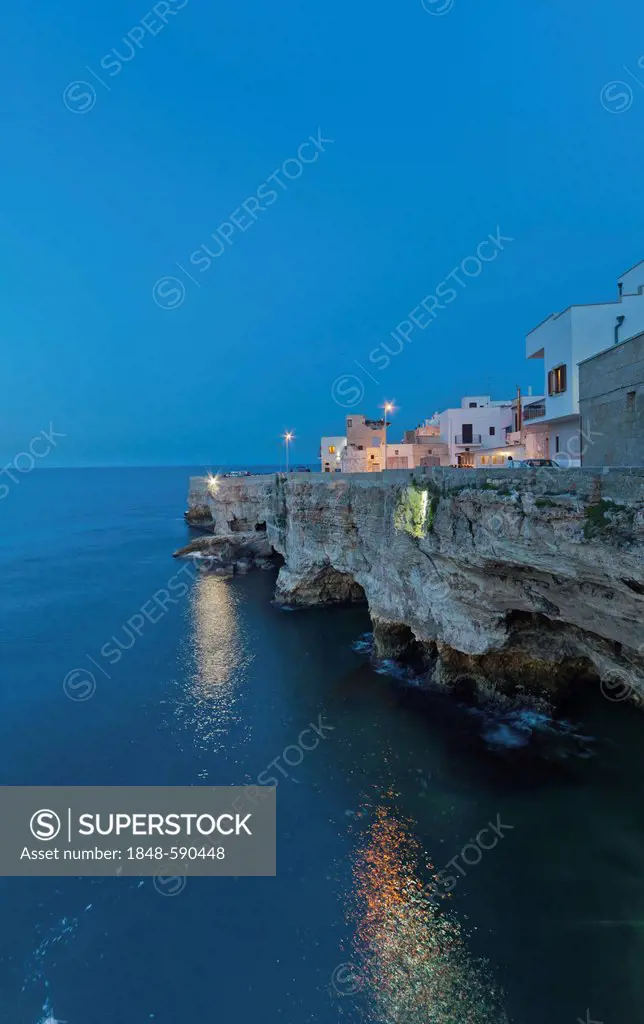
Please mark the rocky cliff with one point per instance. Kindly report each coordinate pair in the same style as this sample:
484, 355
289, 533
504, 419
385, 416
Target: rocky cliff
525, 578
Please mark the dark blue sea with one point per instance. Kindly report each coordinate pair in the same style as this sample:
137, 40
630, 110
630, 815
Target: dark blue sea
545, 924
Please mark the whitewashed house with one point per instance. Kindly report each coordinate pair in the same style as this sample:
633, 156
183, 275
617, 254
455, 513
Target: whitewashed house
562, 341
476, 425
517, 444
331, 450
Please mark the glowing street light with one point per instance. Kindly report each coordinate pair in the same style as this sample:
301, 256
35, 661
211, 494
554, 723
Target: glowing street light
288, 437
212, 483
388, 407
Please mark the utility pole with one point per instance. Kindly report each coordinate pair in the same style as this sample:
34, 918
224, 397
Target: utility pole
388, 408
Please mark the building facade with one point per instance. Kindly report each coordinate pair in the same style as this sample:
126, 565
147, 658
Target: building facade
362, 460
331, 450
563, 341
364, 433
365, 438
517, 443
478, 424
611, 404
428, 447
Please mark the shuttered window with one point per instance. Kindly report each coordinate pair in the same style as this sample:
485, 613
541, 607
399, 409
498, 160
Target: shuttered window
557, 381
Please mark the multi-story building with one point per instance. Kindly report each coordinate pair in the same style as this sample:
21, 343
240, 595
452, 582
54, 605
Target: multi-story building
363, 452
428, 447
477, 424
331, 449
401, 455
517, 443
611, 403
564, 340
363, 433
362, 460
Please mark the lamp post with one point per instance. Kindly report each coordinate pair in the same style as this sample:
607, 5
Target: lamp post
388, 408
288, 437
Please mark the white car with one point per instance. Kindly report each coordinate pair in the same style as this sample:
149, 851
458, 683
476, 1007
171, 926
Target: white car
535, 464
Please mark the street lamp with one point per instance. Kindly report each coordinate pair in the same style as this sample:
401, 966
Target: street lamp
212, 483
388, 408
288, 437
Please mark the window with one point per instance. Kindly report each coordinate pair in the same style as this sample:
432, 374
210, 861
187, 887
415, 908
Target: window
396, 452
557, 382
373, 457
349, 423
492, 431
556, 443
630, 400
468, 433
331, 449
472, 405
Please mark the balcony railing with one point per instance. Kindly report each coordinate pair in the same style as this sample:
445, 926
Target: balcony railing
534, 411
473, 439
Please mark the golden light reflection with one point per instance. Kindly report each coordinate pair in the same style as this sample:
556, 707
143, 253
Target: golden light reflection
414, 962
209, 707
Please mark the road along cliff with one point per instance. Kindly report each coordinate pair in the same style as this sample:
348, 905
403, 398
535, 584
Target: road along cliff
528, 579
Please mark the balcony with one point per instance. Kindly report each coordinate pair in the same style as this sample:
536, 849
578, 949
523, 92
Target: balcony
468, 439
512, 436
534, 411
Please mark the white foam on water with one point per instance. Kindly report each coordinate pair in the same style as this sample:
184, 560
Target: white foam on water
48, 1015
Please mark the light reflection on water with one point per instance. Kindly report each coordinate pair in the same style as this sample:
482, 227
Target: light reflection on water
219, 658
413, 961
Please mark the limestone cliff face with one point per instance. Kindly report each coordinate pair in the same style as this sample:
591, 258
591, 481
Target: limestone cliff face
516, 577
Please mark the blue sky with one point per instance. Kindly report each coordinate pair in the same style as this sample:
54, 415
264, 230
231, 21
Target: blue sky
445, 127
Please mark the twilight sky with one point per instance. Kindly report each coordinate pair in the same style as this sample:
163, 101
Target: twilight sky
448, 123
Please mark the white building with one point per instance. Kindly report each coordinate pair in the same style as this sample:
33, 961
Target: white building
563, 341
401, 455
517, 443
478, 424
331, 449
428, 448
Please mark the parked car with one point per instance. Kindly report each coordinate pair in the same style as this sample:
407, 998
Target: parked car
565, 461
535, 464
